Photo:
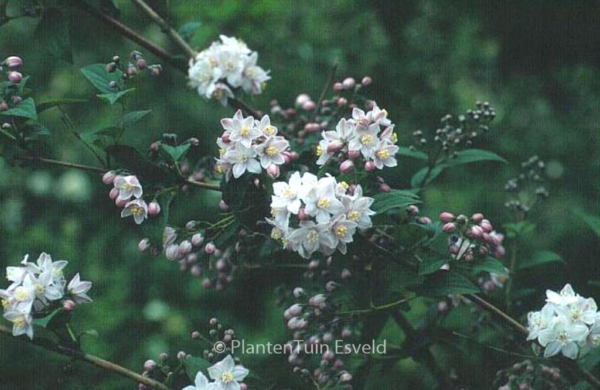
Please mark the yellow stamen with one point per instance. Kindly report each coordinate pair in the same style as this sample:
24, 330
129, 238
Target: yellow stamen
341, 231
353, 216
323, 203
271, 151
227, 377
383, 154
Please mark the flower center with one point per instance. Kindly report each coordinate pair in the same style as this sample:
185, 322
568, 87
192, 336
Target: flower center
271, 151
323, 203
19, 322
269, 130
319, 150
312, 236
245, 131
383, 154
39, 288
137, 210
366, 139
21, 294
341, 231
227, 377
353, 215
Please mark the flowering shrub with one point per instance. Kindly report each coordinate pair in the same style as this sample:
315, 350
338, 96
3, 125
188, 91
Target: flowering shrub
316, 199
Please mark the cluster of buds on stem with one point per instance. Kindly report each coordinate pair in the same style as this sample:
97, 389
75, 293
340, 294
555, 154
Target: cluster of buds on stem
531, 375
527, 188
131, 68
11, 95
127, 193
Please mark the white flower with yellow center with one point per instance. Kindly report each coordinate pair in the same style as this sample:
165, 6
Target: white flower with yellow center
271, 151
22, 322
242, 159
241, 130
384, 154
227, 375
136, 208
286, 195
128, 186
356, 208
321, 202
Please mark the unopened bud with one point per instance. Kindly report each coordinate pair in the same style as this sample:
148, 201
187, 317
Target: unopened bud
273, 171
366, 81
69, 305
181, 355
15, 77
141, 64
113, 194
299, 292
370, 166
109, 177
13, 62
347, 166
153, 208
210, 248
477, 217
449, 227
149, 365
342, 102
338, 87
185, 247
144, 244
309, 105
172, 252
197, 239
348, 83
223, 206
447, 217
353, 154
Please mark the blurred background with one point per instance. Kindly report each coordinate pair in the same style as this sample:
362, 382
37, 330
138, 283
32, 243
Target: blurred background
535, 61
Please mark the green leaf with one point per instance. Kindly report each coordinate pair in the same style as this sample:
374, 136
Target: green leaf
188, 30
112, 98
43, 106
53, 34
50, 321
129, 158
490, 264
194, 364
175, 153
474, 155
154, 227
100, 78
404, 151
26, 109
442, 283
431, 265
417, 180
593, 222
393, 200
539, 258
523, 230
134, 116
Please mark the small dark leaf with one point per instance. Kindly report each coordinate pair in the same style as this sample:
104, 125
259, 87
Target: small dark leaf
404, 151
114, 97
53, 320
134, 116
100, 78
593, 222
26, 109
417, 180
491, 265
393, 200
474, 155
442, 283
53, 34
175, 153
539, 258
194, 364
43, 106
431, 265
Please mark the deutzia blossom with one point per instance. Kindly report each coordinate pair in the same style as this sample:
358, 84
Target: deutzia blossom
226, 65
201, 383
227, 375
136, 208
128, 186
566, 324
78, 289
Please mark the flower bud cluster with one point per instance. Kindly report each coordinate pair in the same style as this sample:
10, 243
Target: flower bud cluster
568, 324
133, 67
472, 237
327, 214
250, 145
127, 193
527, 188
530, 375
226, 64
366, 136
11, 95
37, 289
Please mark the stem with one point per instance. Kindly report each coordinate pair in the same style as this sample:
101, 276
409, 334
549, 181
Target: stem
511, 273
432, 164
494, 310
326, 87
166, 28
96, 361
134, 36
64, 164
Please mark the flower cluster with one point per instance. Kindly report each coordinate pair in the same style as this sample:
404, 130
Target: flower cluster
250, 145
11, 94
566, 324
127, 193
329, 213
36, 289
224, 65
472, 237
368, 135
226, 375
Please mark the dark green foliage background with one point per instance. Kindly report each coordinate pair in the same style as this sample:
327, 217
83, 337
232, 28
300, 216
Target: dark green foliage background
536, 61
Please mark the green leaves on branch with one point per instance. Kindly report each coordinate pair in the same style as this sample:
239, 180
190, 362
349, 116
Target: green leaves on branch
538, 258
25, 109
427, 174
109, 84
393, 200
593, 222
442, 283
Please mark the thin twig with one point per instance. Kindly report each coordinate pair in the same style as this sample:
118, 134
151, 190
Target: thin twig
134, 36
166, 28
95, 360
64, 164
494, 310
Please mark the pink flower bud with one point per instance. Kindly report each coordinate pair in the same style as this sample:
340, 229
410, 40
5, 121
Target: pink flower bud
338, 87
346, 274
347, 166
384, 188
311, 127
3, 106
346, 377
113, 194
17, 100
447, 217
273, 171
449, 227
295, 309
13, 62
156, 70
335, 146
424, 221
366, 81
223, 206
477, 217
330, 286
303, 215
185, 247
317, 300
69, 305
120, 202
370, 166
172, 252
243, 386
348, 83
475, 232
302, 98
499, 252
353, 154
309, 105
486, 226
141, 64
15, 77
299, 292
149, 365
153, 208
144, 244
210, 248
197, 239
109, 177
341, 102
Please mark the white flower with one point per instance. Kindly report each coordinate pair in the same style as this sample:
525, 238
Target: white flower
43, 288
384, 153
310, 237
227, 374
271, 151
254, 77
321, 202
201, 383
539, 320
45, 263
343, 230
565, 297
78, 289
561, 336
285, 195
128, 186
136, 208
366, 141
202, 75
356, 208
22, 322
241, 129
243, 159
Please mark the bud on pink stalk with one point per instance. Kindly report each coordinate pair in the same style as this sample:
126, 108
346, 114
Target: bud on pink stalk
486, 226
17, 100
447, 217
210, 248
477, 217
347, 166
349, 83
143, 245
13, 62
273, 171
197, 239
449, 227
109, 177
303, 215
370, 166
185, 247
120, 202
15, 77
223, 206
338, 87
172, 252
113, 194
475, 232
149, 365
153, 208
366, 81
341, 102
69, 305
